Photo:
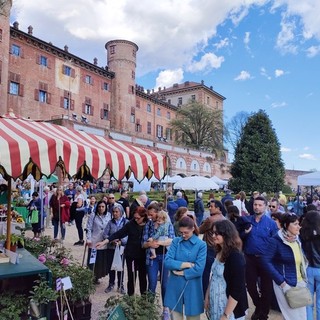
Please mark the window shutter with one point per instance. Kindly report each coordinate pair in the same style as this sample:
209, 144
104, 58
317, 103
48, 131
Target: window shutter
73, 73
138, 121
48, 98
63, 69
21, 89
133, 111
102, 113
36, 94
21, 53
71, 104
83, 108
38, 60
48, 63
61, 102
92, 108
9, 82
92, 81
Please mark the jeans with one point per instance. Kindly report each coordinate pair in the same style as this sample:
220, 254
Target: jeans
153, 270
314, 283
199, 218
211, 254
254, 271
78, 218
56, 225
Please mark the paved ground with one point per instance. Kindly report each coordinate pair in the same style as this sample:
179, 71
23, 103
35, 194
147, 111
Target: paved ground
100, 297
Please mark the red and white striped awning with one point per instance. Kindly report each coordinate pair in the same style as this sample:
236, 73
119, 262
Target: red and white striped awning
38, 147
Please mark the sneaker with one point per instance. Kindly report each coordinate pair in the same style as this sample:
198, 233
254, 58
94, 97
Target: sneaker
79, 243
109, 289
121, 290
166, 314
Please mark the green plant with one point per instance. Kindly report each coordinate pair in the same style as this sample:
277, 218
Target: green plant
13, 306
42, 293
144, 307
16, 238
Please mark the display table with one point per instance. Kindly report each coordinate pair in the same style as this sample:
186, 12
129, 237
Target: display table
3, 227
28, 265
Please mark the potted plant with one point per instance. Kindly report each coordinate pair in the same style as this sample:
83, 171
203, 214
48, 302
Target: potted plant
16, 240
144, 307
41, 296
13, 306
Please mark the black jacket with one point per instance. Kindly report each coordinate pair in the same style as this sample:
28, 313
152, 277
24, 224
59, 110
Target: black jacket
311, 249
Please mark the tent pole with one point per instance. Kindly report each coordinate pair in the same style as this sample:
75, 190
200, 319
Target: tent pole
8, 243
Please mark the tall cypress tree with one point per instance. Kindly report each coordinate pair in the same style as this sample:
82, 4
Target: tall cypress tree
257, 164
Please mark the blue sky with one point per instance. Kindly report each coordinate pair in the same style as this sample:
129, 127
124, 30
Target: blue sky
258, 54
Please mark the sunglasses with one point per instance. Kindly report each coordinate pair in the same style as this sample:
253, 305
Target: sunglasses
216, 233
272, 207
111, 198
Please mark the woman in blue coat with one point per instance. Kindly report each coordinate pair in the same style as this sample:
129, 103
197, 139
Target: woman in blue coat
185, 259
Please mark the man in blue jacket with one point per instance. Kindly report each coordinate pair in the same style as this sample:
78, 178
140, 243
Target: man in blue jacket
255, 241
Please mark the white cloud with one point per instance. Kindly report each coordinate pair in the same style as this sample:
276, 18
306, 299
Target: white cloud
313, 51
264, 73
286, 37
167, 78
284, 149
207, 62
307, 156
278, 73
244, 75
222, 43
306, 148
275, 105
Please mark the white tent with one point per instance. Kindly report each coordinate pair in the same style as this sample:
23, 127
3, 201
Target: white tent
219, 181
196, 183
173, 179
309, 179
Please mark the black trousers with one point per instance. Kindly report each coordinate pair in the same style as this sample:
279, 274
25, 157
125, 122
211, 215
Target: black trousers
136, 266
259, 285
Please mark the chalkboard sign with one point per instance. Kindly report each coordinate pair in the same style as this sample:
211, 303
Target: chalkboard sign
117, 314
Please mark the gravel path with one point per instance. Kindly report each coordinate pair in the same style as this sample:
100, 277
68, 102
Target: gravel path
99, 298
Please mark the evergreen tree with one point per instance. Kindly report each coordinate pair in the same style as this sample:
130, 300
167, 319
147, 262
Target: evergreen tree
257, 164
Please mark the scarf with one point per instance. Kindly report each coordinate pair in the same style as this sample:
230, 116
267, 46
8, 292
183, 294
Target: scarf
288, 237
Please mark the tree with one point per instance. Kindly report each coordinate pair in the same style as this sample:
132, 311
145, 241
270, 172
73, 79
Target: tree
235, 127
198, 127
257, 164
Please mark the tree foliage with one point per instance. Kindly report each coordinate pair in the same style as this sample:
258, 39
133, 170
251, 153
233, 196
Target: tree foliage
257, 164
198, 127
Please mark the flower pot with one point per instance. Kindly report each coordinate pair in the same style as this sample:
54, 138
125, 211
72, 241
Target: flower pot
81, 310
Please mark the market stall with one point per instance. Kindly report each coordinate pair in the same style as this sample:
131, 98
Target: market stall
37, 148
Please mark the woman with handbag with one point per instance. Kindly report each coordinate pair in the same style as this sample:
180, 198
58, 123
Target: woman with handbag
34, 208
96, 224
285, 263
116, 223
310, 238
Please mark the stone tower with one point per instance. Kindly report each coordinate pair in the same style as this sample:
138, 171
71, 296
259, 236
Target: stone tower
5, 8
121, 58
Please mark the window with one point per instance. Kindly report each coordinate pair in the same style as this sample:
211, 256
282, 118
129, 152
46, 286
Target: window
105, 86
66, 103
104, 112
169, 134
15, 50
159, 131
193, 97
42, 96
68, 71
133, 75
148, 127
88, 79
158, 112
0, 34
217, 105
148, 107
14, 88
131, 89
168, 115
138, 126
133, 52
133, 115
208, 100
44, 61
169, 101
87, 107
179, 101
138, 104
112, 49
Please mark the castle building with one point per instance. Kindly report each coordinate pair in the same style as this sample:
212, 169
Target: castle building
43, 82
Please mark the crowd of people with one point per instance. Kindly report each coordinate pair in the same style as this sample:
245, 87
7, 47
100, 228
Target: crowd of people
205, 262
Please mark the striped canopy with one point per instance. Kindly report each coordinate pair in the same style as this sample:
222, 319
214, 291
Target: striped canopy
39, 147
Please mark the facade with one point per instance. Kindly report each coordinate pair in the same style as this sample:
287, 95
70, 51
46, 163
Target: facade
43, 82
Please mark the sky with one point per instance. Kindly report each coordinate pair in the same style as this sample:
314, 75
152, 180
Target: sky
258, 54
